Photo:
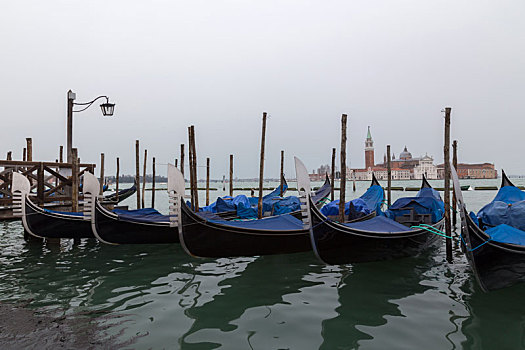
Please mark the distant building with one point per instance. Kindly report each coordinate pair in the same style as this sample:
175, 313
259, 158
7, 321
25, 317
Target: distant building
472, 171
404, 168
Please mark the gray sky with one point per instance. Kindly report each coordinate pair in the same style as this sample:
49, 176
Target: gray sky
393, 65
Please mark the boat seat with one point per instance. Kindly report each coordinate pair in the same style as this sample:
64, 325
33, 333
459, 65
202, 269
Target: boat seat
413, 218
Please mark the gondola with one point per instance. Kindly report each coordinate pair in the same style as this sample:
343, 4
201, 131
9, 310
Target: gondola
45, 223
494, 248
142, 226
379, 238
214, 238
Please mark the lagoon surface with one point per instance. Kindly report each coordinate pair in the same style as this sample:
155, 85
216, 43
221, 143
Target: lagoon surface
164, 298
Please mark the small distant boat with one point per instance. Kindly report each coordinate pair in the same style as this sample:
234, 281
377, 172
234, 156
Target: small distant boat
405, 233
494, 239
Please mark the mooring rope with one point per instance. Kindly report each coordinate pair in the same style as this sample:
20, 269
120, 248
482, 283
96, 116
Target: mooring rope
438, 232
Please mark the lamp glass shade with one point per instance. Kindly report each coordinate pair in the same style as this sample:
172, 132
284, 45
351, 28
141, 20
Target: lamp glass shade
107, 109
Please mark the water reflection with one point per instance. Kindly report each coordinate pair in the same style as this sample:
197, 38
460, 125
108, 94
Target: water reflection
496, 320
262, 286
366, 297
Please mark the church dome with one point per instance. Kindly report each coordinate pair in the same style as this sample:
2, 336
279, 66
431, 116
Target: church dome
405, 155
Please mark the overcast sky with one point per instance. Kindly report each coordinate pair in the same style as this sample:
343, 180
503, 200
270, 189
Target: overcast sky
393, 65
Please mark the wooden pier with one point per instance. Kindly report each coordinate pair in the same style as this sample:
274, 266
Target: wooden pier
51, 183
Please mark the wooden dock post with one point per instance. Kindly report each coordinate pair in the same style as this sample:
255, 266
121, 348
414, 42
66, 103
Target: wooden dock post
446, 150
343, 169
231, 175
102, 177
261, 168
61, 154
117, 177
207, 181
29, 146
389, 176
74, 180
182, 159
455, 164
282, 174
333, 175
176, 163
137, 171
153, 185
144, 179
9, 155
24, 154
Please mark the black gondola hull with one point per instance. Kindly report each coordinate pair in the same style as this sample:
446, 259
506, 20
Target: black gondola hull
110, 229
336, 244
496, 265
202, 238
42, 224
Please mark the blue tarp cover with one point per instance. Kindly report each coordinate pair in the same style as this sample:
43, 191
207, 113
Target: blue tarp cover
245, 212
286, 205
332, 208
146, 215
227, 203
507, 234
273, 223
508, 207
498, 212
371, 200
378, 224
427, 201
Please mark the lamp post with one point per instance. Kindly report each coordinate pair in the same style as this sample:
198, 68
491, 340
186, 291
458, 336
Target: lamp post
107, 110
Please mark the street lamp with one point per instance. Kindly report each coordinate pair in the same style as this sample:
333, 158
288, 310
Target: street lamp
107, 110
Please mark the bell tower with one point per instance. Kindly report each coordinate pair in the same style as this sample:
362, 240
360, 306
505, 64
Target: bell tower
369, 151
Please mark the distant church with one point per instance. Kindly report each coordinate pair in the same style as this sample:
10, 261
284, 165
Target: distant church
404, 168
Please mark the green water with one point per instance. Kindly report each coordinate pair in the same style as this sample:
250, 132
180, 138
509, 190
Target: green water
170, 300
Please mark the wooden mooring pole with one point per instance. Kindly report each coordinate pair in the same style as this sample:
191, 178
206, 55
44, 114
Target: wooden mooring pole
24, 154
207, 181
333, 175
343, 170
389, 176
446, 150
194, 161
61, 154
182, 159
74, 180
117, 177
261, 168
153, 185
282, 174
190, 167
176, 163
9, 155
231, 175
455, 164
144, 179
137, 171
102, 179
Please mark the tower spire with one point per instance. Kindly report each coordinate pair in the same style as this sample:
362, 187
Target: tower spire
369, 150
